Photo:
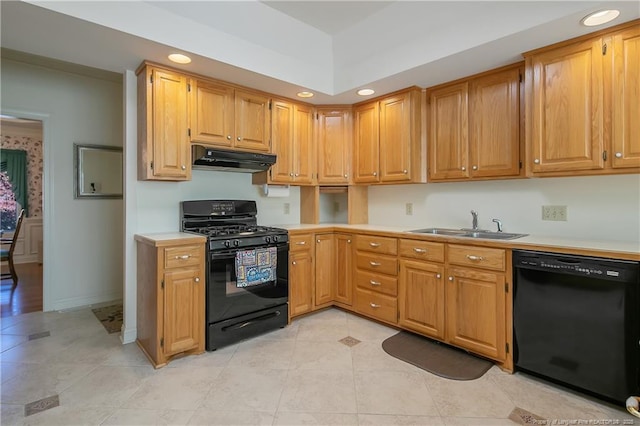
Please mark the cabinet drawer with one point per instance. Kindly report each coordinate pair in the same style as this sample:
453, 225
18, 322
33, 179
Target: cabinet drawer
177, 257
477, 257
377, 282
424, 250
382, 245
377, 305
377, 263
300, 242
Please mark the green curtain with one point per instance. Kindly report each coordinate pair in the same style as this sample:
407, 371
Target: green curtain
16, 168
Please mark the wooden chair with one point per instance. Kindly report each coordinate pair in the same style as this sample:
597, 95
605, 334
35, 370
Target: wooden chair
8, 254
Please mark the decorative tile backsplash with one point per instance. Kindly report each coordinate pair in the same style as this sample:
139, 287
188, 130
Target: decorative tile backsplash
33, 146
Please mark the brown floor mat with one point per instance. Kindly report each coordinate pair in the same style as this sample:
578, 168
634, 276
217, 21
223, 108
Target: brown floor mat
436, 358
110, 317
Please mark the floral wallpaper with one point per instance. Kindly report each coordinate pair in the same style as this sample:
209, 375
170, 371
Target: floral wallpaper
33, 146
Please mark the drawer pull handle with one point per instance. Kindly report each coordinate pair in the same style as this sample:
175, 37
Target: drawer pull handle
374, 306
374, 244
301, 243
372, 263
183, 257
372, 282
420, 250
472, 257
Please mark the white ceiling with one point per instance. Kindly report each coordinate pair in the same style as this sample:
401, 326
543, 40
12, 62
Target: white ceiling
282, 47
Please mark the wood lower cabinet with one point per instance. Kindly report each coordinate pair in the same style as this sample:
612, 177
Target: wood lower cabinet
170, 296
164, 152
343, 291
301, 274
325, 272
455, 293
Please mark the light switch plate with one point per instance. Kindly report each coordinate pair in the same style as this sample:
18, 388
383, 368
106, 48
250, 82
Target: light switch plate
556, 213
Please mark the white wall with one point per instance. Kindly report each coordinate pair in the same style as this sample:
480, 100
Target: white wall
82, 238
598, 207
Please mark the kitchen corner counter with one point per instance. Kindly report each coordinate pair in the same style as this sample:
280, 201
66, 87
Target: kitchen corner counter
161, 239
627, 250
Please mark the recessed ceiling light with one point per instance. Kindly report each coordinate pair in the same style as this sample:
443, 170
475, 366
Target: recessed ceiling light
179, 58
599, 18
305, 94
366, 92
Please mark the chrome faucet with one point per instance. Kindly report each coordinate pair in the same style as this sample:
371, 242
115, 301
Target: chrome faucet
499, 223
474, 222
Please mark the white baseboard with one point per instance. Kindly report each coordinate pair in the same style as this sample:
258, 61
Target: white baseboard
80, 302
128, 335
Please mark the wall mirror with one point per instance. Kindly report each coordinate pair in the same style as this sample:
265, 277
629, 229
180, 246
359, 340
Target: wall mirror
98, 171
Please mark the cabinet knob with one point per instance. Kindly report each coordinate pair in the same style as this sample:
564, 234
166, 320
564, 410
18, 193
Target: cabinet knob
375, 173
196, 279
405, 171
317, 241
228, 137
474, 168
349, 241
297, 174
450, 278
346, 176
291, 174
374, 306
438, 276
618, 155
238, 138
183, 167
293, 263
463, 168
536, 161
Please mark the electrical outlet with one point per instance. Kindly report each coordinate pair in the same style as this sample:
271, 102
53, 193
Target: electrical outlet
409, 209
557, 213
287, 208
336, 206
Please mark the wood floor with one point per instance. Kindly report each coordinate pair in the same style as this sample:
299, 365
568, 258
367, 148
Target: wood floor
27, 296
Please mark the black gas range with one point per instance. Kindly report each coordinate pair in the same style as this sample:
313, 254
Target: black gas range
247, 282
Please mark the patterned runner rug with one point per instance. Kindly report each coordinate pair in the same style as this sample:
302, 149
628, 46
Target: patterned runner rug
110, 317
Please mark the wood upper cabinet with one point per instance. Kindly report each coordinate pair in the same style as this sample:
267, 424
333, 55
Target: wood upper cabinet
387, 145
163, 144
170, 297
292, 142
334, 142
474, 127
366, 143
448, 142
625, 94
229, 118
565, 107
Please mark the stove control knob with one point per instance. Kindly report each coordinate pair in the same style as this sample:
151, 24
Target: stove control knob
275, 238
267, 239
227, 243
236, 243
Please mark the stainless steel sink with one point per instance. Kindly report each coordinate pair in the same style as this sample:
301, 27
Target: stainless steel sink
467, 233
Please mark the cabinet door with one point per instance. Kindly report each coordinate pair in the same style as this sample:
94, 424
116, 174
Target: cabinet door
494, 124
565, 108
334, 146
395, 139
282, 142
171, 149
325, 269
366, 143
303, 142
476, 311
448, 132
626, 98
301, 277
344, 269
183, 310
212, 114
252, 121
421, 297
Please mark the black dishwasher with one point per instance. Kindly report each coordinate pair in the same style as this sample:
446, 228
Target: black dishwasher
576, 321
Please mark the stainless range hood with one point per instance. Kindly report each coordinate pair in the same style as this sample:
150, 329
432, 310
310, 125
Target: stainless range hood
205, 158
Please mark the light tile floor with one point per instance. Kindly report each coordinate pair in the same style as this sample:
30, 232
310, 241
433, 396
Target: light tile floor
299, 375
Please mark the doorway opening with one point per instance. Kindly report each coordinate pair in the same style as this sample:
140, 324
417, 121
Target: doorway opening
21, 187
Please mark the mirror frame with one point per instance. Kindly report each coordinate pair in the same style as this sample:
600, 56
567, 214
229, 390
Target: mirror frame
78, 150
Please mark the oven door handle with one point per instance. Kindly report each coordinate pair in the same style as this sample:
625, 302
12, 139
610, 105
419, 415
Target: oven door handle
244, 324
